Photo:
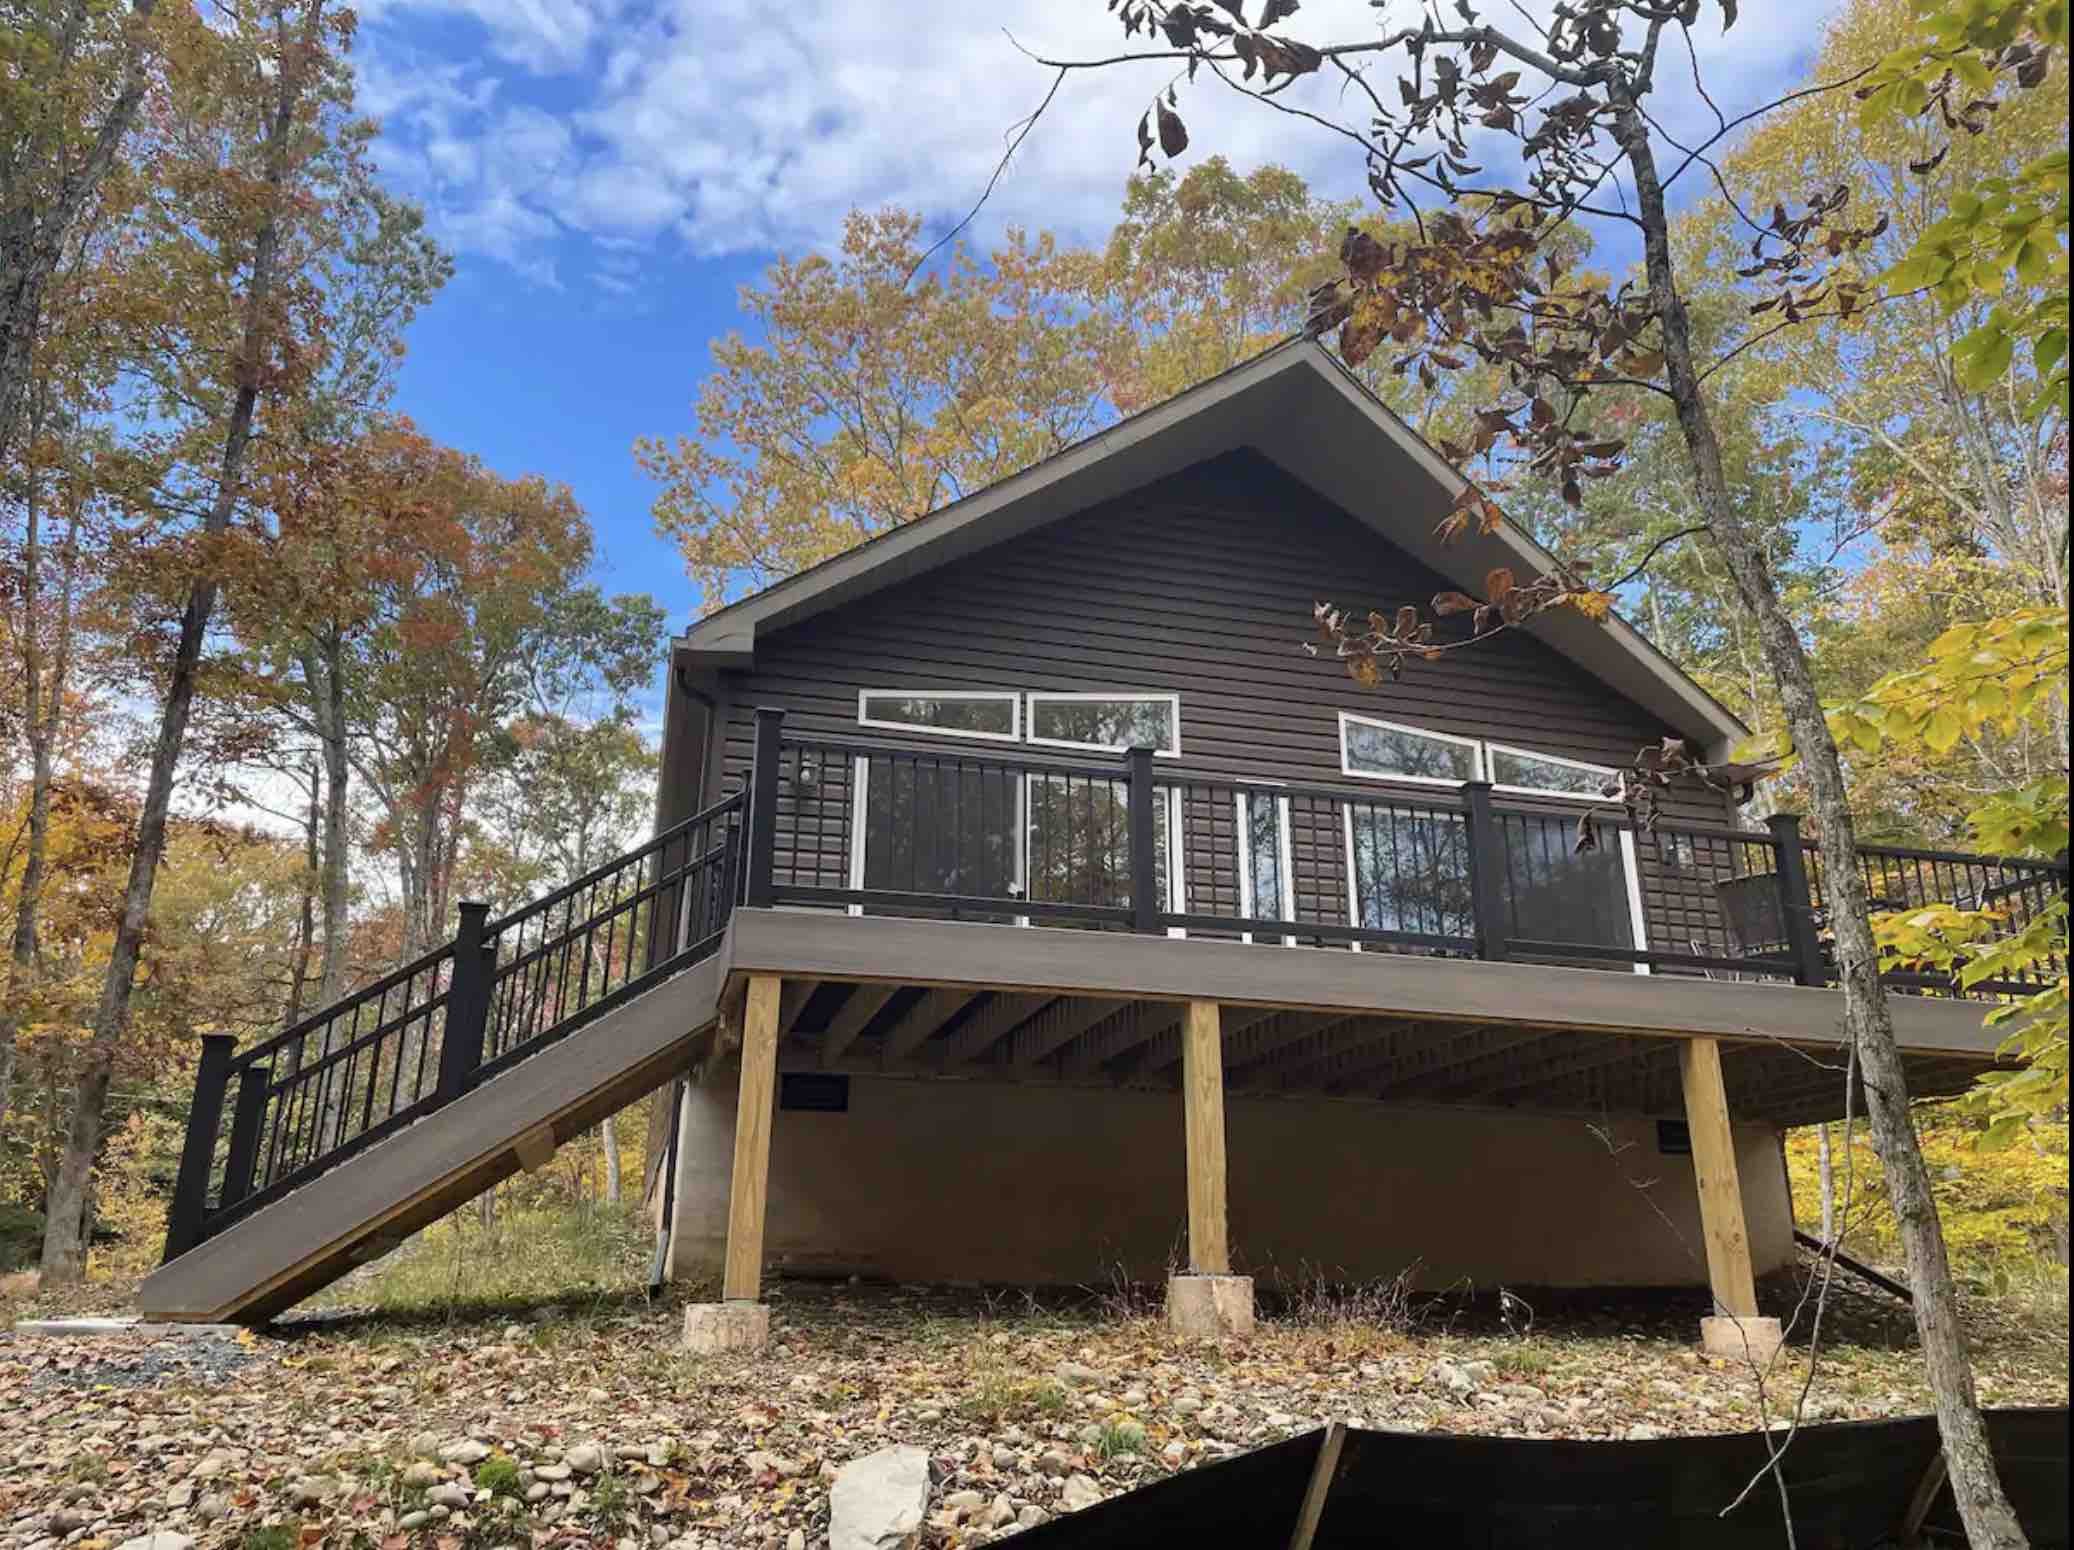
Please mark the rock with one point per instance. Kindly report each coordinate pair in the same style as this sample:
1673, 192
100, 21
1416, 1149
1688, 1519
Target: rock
313, 1489
159, 1539
1134, 1399
1643, 1434
180, 1497
66, 1521
660, 1453
450, 1496
514, 1334
796, 1540
211, 1507
1004, 1456
1030, 1517
420, 1473
537, 1491
758, 1461
551, 1471
1081, 1491
424, 1446
1187, 1402
1456, 1380
878, 1501
964, 1503
1480, 1372
411, 1520
466, 1451
1055, 1463
588, 1458
1174, 1453
1076, 1374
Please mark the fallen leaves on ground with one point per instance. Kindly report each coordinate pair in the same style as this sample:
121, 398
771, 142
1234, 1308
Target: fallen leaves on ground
590, 1426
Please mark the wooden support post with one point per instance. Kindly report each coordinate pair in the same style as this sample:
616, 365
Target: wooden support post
1720, 1190
742, 1279
1202, 1101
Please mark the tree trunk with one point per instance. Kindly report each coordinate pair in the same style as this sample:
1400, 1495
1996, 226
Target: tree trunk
1828, 1178
1983, 1506
64, 1247
36, 224
608, 1138
305, 925
43, 707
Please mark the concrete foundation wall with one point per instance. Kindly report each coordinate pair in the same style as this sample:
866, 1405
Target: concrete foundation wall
968, 1181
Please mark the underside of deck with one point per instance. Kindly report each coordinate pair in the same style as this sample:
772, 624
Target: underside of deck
999, 1003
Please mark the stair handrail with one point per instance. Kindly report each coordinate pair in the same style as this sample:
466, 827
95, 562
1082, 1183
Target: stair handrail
457, 991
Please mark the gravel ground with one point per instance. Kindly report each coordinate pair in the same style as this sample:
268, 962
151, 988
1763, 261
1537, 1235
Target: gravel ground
586, 1425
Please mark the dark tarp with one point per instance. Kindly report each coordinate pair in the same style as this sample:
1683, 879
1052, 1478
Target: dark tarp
1850, 1485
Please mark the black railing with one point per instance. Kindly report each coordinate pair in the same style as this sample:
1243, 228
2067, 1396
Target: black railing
307, 1099
1131, 843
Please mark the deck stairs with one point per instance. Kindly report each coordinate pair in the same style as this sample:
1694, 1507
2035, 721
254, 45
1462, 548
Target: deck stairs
326, 1145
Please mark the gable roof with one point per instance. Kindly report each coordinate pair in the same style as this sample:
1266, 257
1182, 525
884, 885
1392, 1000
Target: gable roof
1299, 408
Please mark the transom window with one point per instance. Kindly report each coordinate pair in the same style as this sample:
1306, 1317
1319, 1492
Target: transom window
1390, 750
1545, 774
1387, 750
953, 712
1107, 721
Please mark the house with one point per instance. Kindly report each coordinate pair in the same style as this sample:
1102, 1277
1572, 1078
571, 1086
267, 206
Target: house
1027, 906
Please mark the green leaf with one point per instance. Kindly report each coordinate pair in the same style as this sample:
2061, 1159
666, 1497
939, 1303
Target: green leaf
2005, 1132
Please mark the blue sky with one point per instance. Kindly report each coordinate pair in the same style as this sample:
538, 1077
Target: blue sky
608, 172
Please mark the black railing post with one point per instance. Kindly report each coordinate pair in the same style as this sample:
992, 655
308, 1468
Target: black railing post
246, 1114
1797, 901
1145, 903
1486, 871
198, 1152
763, 807
467, 1004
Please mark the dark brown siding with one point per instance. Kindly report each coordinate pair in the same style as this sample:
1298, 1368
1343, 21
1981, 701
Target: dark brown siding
1202, 585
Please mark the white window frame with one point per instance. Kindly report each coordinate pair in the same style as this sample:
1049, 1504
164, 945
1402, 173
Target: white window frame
1630, 860
1135, 696
1015, 712
1346, 765
1243, 834
1491, 764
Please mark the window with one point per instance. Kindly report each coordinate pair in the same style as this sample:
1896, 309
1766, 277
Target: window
1108, 721
1266, 880
1544, 774
1383, 750
953, 712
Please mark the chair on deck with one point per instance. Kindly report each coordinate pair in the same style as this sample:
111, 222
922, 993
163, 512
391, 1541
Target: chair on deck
1754, 921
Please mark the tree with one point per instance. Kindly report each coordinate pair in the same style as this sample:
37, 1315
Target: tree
1565, 106
869, 400
245, 156
477, 616
72, 76
1208, 269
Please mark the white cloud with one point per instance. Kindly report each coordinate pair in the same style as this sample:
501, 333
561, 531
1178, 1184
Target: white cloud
732, 126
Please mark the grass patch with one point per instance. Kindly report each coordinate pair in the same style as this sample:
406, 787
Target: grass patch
1527, 1360
498, 1475
1000, 1393
273, 1536
611, 1501
1119, 1437
525, 1257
